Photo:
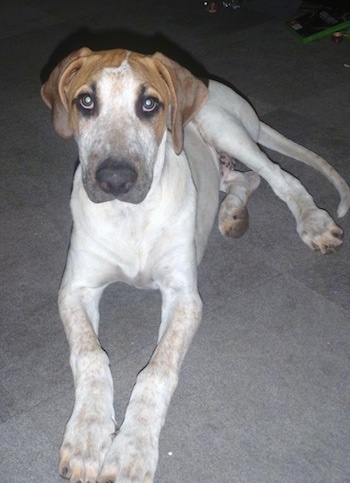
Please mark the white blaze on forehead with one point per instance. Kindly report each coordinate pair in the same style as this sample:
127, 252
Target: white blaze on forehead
117, 85
121, 69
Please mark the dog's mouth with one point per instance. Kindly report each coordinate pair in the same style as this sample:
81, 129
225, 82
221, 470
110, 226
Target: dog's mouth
116, 179
133, 196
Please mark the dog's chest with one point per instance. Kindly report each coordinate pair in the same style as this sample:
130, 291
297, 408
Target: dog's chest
125, 238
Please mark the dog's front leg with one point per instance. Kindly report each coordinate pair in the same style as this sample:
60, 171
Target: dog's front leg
89, 431
134, 452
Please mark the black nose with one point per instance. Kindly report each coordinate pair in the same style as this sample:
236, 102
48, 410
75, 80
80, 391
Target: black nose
116, 177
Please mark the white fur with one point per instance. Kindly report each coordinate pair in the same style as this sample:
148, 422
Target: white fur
157, 244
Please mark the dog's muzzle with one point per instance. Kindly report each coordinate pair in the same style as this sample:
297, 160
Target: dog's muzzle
116, 178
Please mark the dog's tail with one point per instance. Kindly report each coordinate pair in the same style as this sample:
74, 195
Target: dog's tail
272, 139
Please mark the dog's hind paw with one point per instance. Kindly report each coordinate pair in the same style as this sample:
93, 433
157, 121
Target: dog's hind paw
233, 220
320, 232
233, 214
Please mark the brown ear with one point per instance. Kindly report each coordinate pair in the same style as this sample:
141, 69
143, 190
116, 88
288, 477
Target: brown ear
188, 94
52, 92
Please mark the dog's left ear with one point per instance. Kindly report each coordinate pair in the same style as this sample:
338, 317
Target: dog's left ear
188, 95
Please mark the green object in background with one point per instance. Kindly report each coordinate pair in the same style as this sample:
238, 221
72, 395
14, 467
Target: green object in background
320, 22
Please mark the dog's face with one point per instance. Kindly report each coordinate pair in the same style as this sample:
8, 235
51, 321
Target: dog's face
117, 104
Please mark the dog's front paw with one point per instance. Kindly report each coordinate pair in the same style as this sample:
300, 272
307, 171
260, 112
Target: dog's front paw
86, 442
320, 232
133, 456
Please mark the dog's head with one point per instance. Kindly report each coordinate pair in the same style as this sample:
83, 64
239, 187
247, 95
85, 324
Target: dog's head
118, 105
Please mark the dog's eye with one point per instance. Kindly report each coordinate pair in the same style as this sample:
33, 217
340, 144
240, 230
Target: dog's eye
87, 102
150, 104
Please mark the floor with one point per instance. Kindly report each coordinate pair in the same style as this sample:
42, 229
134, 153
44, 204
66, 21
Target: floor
264, 391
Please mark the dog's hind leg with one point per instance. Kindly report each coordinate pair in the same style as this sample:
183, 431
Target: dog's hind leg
314, 225
272, 139
233, 213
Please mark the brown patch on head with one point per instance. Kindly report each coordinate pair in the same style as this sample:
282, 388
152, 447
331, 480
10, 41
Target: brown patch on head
152, 86
162, 77
72, 74
51, 91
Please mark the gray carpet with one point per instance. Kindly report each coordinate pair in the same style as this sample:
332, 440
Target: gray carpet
264, 391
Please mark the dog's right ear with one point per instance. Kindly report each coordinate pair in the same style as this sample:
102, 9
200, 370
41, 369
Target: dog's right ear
53, 91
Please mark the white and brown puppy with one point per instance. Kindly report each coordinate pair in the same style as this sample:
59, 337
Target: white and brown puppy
145, 196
